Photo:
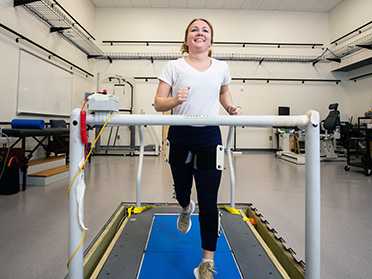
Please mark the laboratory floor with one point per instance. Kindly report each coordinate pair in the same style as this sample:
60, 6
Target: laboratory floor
34, 223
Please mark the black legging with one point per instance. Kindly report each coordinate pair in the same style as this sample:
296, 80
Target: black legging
207, 183
207, 180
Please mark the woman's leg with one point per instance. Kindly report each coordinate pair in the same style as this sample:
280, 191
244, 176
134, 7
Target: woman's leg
182, 178
207, 185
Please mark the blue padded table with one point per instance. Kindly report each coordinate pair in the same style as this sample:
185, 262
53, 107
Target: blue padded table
150, 246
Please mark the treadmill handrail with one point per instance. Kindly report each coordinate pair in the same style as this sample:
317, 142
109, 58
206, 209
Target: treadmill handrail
310, 122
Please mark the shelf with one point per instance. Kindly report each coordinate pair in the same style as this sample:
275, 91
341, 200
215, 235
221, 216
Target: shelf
243, 44
60, 21
221, 56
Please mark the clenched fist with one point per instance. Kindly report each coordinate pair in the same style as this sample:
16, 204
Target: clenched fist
182, 94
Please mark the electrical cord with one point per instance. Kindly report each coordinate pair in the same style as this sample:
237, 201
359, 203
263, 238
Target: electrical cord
7, 154
320, 56
68, 190
91, 149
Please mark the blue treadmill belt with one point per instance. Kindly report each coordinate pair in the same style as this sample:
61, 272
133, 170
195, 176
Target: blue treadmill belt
134, 249
170, 254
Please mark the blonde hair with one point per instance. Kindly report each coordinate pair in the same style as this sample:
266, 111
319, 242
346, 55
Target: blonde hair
184, 47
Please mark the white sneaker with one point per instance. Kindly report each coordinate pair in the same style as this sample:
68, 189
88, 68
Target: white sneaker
205, 271
184, 221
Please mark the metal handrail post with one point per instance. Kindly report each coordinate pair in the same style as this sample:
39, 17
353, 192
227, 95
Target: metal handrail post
75, 267
231, 168
312, 223
140, 164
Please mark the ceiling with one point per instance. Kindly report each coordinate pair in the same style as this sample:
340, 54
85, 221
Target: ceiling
277, 5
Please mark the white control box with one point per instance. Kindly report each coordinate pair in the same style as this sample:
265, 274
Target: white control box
99, 102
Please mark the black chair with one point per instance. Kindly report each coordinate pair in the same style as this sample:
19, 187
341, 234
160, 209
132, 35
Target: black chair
328, 133
59, 144
332, 120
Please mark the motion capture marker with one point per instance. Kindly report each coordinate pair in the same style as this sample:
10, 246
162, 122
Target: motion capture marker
170, 254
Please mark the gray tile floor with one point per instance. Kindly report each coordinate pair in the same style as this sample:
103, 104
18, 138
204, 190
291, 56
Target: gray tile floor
34, 223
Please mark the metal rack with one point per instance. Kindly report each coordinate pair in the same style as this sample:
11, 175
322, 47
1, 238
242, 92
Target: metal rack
60, 21
243, 44
362, 43
221, 56
359, 30
358, 135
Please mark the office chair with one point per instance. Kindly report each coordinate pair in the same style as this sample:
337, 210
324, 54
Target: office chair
333, 119
328, 132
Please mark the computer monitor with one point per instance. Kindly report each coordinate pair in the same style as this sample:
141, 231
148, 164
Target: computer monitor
283, 110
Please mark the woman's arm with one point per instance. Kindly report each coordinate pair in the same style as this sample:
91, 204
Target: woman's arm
226, 101
162, 100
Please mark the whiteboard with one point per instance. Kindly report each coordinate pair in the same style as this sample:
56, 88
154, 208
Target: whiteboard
43, 88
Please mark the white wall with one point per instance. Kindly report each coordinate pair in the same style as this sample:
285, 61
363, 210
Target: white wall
346, 17
168, 24
256, 97
83, 11
360, 93
26, 24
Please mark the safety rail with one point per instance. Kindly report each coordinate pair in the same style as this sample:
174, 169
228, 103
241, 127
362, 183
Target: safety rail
309, 122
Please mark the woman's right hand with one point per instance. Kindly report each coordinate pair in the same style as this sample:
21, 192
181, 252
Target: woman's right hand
182, 95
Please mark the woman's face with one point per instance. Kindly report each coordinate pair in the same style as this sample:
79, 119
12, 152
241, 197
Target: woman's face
199, 36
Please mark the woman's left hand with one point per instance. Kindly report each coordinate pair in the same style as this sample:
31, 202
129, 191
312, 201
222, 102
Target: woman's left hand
234, 110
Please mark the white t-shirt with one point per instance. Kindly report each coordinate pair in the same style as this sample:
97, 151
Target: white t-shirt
204, 86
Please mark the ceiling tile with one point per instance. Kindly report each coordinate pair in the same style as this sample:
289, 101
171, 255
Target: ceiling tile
280, 5
159, 3
252, 4
270, 4
288, 5
306, 6
103, 3
196, 4
141, 3
214, 4
233, 4
178, 3
325, 6
122, 3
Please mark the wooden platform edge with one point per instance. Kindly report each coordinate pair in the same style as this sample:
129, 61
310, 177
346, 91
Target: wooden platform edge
97, 255
292, 268
50, 172
45, 160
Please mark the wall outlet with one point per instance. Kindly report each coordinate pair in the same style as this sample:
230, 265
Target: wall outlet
270, 137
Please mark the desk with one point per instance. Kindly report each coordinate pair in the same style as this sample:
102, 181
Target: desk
22, 134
